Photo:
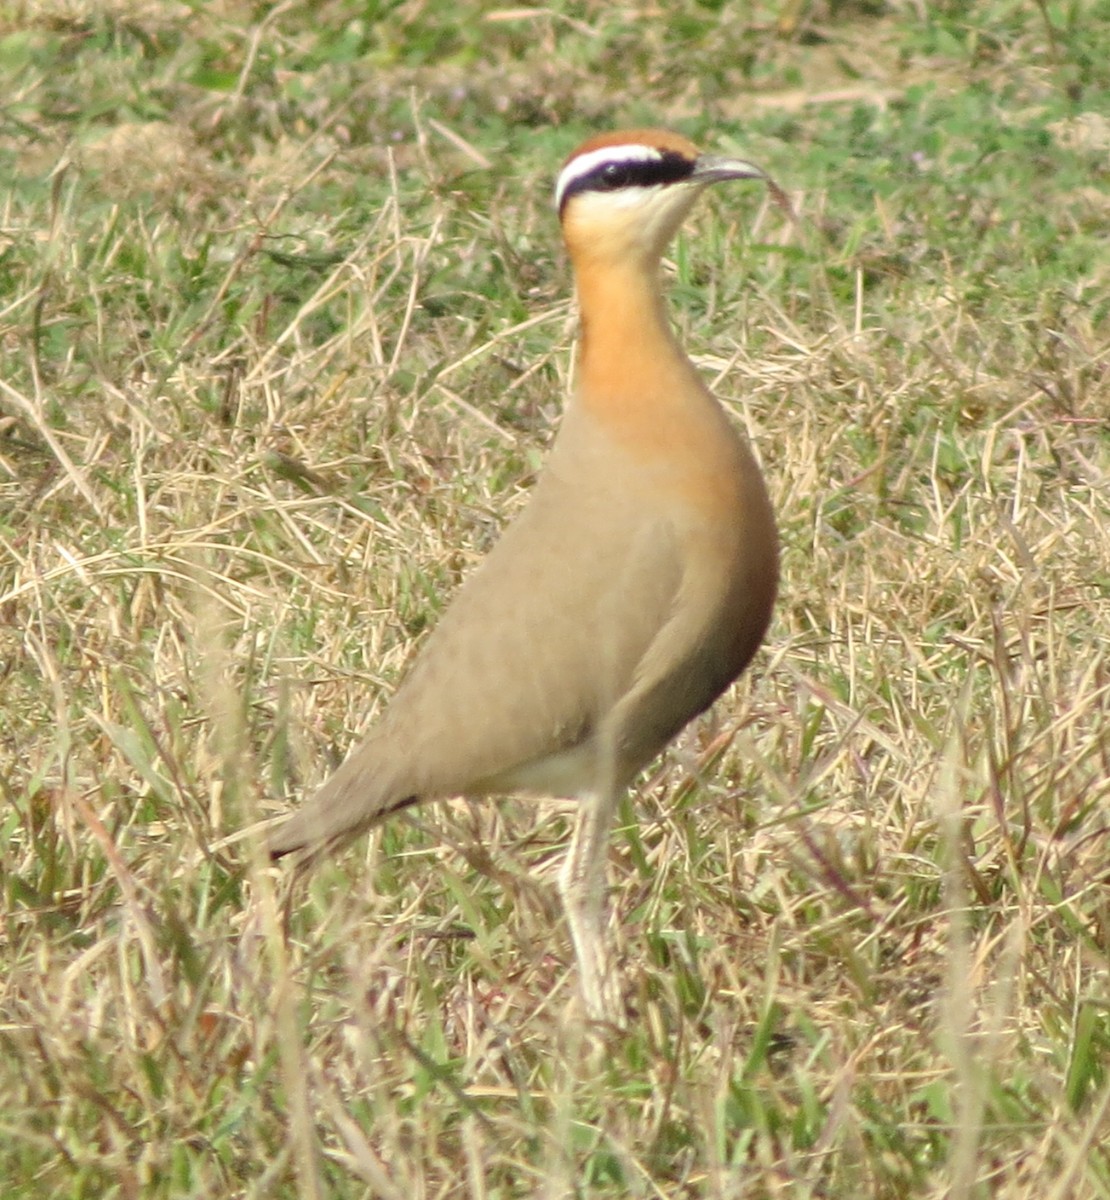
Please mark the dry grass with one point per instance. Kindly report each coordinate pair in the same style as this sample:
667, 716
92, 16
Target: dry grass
281, 358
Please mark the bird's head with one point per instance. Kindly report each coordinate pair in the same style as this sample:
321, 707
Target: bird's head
623, 195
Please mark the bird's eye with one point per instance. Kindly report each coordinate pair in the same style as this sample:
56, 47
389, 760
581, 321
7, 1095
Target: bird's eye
615, 175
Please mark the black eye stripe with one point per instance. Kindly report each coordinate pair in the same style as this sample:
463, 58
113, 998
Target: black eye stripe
619, 173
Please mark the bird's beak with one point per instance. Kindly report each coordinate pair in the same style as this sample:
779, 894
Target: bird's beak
712, 168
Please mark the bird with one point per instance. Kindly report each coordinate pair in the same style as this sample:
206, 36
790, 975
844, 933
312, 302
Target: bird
632, 589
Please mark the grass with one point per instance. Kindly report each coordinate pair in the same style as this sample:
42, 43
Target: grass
286, 333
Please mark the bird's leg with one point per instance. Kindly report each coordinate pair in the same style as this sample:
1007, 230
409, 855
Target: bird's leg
582, 886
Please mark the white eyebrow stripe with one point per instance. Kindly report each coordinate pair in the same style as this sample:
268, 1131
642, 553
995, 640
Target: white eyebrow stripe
583, 164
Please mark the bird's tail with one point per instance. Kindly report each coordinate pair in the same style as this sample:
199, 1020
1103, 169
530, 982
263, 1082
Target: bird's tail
346, 805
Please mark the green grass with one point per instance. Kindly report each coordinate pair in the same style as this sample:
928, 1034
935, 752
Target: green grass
286, 333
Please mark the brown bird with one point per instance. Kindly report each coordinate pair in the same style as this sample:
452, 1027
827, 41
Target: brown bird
631, 591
